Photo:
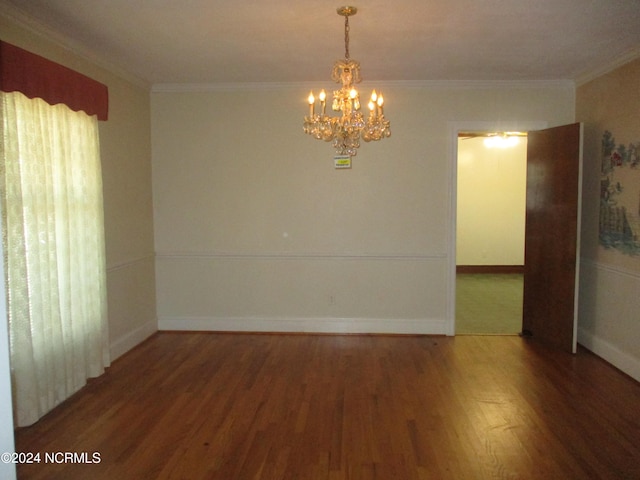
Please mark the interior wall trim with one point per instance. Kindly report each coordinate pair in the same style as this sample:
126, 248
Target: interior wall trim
609, 352
622, 59
600, 318
387, 84
327, 325
300, 256
126, 342
490, 269
634, 274
130, 262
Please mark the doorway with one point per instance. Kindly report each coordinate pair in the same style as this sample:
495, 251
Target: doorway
490, 225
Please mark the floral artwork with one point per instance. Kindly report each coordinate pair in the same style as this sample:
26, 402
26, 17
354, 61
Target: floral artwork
620, 196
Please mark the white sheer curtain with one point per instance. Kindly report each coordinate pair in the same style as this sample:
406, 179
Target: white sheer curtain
53, 234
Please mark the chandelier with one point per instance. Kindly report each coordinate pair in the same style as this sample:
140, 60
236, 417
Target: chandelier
503, 140
346, 130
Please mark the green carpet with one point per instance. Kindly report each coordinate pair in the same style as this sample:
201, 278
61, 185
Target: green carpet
488, 303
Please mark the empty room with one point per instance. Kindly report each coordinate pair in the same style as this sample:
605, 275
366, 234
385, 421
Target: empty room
232, 240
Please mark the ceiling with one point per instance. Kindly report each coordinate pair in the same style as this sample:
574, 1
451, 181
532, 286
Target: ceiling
225, 41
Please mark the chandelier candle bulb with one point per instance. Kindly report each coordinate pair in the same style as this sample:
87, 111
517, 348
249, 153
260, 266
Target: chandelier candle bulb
312, 101
323, 98
372, 104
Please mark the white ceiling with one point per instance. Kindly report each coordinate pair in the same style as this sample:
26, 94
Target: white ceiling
225, 41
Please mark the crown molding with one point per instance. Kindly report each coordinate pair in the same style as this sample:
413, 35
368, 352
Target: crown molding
391, 84
23, 20
224, 87
617, 62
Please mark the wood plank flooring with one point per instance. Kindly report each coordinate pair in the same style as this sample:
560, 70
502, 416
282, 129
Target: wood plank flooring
240, 406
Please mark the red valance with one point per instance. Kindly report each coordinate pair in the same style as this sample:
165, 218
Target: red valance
35, 76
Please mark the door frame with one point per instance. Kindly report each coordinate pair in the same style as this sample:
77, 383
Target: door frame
455, 127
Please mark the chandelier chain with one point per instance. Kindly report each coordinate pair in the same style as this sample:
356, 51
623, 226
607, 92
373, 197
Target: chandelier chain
346, 37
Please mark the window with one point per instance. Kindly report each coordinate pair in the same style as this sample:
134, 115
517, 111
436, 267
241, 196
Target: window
53, 234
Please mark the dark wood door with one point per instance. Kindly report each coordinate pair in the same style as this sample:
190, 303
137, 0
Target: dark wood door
554, 177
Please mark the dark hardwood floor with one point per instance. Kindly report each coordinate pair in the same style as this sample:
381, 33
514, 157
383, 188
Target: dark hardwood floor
239, 406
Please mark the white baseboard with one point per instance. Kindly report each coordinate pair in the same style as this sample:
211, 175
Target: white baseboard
126, 342
306, 325
609, 352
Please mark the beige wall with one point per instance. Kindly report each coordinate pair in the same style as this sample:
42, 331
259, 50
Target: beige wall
255, 229
491, 200
610, 281
126, 170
